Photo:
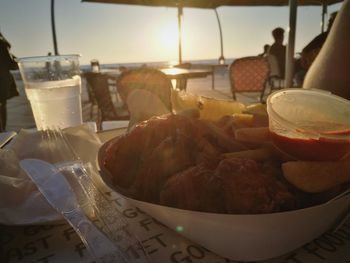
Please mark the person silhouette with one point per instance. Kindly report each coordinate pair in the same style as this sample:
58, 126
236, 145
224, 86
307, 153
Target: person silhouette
8, 87
265, 51
310, 52
278, 50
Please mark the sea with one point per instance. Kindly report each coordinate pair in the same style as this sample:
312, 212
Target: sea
160, 64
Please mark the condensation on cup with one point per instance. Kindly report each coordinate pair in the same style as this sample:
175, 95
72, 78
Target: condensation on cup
53, 87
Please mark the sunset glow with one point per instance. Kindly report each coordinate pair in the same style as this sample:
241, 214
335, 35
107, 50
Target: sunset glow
168, 36
128, 33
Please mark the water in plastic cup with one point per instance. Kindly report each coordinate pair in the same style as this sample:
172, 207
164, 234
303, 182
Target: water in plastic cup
53, 87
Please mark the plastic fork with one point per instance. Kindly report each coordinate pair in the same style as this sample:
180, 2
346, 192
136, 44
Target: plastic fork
55, 188
113, 223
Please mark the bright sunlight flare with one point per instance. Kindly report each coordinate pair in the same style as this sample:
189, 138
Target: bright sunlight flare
168, 36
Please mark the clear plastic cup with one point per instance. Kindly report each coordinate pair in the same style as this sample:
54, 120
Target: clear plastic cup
53, 87
310, 124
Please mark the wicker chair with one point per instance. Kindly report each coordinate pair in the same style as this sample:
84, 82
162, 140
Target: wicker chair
249, 74
91, 97
100, 90
150, 79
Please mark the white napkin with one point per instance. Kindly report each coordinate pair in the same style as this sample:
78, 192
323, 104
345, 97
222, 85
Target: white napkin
20, 201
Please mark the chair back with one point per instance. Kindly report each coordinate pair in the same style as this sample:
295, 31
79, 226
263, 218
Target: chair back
249, 74
150, 79
99, 84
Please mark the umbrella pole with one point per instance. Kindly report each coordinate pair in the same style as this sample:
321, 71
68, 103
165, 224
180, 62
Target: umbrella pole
291, 43
324, 12
179, 14
53, 26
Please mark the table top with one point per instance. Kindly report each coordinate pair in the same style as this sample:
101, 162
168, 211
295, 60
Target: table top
57, 241
186, 73
170, 72
180, 75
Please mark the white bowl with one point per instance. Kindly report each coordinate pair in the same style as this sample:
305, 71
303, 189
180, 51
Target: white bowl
250, 237
243, 237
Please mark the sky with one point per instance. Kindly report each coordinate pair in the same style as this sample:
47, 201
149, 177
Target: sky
129, 34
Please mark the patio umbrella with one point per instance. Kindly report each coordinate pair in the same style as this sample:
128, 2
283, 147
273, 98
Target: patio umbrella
213, 4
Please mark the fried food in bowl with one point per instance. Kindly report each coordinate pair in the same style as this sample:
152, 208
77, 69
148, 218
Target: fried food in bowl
221, 184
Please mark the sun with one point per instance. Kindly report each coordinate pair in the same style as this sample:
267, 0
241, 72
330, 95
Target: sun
168, 37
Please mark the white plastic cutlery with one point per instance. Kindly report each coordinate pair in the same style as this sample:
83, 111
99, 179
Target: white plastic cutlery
61, 153
56, 189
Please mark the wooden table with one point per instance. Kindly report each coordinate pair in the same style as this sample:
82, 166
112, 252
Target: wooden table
181, 75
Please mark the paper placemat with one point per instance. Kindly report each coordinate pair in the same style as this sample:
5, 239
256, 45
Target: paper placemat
59, 243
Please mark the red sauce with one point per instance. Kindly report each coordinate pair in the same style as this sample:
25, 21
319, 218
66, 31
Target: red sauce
322, 149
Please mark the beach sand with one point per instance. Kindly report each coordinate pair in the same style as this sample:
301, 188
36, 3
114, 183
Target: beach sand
19, 114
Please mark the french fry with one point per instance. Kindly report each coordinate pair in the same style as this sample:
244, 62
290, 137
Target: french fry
260, 154
316, 177
277, 153
209, 108
243, 119
259, 112
260, 120
214, 109
253, 135
256, 108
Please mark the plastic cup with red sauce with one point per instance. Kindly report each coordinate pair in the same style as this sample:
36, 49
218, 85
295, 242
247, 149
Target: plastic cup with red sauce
310, 125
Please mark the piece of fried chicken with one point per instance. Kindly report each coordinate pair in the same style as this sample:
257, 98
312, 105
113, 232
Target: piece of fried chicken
233, 185
142, 160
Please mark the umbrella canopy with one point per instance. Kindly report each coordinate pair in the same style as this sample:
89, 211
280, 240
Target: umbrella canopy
213, 4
